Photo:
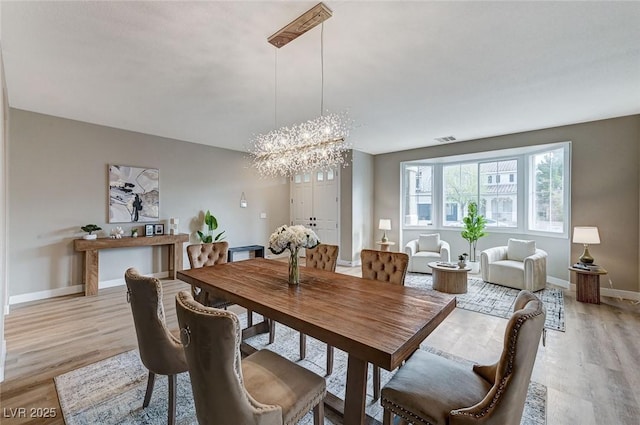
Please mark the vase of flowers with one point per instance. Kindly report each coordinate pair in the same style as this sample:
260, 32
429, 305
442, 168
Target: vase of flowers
292, 238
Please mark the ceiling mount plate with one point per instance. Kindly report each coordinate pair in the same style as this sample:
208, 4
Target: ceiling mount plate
308, 20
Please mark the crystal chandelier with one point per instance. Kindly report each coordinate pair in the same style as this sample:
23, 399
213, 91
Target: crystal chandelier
319, 143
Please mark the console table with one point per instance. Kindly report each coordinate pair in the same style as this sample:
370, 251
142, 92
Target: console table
258, 251
91, 248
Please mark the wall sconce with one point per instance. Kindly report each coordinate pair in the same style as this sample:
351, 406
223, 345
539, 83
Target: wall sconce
243, 201
586, 236
384, 224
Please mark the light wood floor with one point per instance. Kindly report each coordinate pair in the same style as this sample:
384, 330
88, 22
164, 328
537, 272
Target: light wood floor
591, 370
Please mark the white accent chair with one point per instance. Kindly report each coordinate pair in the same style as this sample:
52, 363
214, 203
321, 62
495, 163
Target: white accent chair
518, 265
425, 249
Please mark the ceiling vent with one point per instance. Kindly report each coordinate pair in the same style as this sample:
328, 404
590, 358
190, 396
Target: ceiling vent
445, 139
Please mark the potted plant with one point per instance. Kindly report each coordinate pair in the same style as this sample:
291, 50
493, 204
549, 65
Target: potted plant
90, 228
212, 224
474, 225
462, 260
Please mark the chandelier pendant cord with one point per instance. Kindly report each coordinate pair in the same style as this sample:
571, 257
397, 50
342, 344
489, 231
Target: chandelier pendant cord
322, 69
275, 91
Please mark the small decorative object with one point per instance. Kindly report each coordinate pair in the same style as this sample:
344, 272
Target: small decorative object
173, 226
148, 230
212, 224
117, 233
462, 260
292, 238
158, 229
586, 235
90, 228
134, 233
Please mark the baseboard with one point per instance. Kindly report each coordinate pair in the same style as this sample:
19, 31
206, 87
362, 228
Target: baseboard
558, 282
346, 263
70, 290
3, 356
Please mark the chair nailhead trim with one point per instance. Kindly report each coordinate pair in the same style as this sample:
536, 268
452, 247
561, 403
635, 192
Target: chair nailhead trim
513, 338
402, 412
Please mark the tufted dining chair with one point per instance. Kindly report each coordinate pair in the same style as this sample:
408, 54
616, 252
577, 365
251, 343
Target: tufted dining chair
160, 352
430, 389
208, 254
323, 257
384, 266
264, 388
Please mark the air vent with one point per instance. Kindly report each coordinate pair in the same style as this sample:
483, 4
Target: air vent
445, 139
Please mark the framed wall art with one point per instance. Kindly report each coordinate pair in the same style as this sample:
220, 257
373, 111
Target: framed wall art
159, 229
148, 230
134, 194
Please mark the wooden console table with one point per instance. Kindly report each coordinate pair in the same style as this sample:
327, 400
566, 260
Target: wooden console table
91, 248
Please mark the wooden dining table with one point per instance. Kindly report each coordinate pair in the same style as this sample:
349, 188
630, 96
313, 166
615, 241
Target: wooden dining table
374, 322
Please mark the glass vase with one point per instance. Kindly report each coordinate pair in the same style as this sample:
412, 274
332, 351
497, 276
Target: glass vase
294, 268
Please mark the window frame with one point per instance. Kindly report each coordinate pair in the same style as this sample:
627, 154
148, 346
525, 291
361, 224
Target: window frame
523, 183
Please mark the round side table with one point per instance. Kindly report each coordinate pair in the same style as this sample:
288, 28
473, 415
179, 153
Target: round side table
452, 280
588, 284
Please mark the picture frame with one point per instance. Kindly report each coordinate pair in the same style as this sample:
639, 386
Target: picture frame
159, 229
134, 194
149, 230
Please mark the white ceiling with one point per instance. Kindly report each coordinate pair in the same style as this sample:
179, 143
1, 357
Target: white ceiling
407, 72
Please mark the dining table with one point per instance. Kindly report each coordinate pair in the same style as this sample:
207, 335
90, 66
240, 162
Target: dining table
372, 321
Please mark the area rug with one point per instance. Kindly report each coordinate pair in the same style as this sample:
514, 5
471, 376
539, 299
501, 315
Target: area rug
496, 300
111, 391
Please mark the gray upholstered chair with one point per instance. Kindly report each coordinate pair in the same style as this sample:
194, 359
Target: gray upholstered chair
261, 389
384, 266
429, 389
518, 265
425, 249
160, 351
323, 257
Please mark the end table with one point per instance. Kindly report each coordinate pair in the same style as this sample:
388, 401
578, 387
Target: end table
588, 284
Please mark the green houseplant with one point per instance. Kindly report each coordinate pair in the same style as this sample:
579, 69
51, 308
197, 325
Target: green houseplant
90, 228
474, 225
212, 224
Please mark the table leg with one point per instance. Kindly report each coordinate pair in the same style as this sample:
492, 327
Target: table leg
356, 392
90, 272
172, 261
588, 288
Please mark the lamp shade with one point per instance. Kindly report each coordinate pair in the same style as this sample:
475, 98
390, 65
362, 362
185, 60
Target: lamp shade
586, 235
384, 224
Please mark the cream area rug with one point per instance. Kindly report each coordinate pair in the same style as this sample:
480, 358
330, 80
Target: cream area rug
495, 300
111, 391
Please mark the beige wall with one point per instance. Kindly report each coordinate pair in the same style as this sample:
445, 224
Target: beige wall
605, 191
356, 206
58, 182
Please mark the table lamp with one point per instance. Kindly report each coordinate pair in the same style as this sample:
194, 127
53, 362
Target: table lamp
384, 224
586, 236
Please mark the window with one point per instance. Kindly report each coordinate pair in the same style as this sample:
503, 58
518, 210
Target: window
523, 190
418, 195
498, 202
459, 186
547, 181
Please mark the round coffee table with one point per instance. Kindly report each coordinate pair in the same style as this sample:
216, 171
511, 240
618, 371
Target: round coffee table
452, 280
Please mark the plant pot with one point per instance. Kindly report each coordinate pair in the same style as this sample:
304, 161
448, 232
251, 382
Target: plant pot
462, 264
474, 265
90, 237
